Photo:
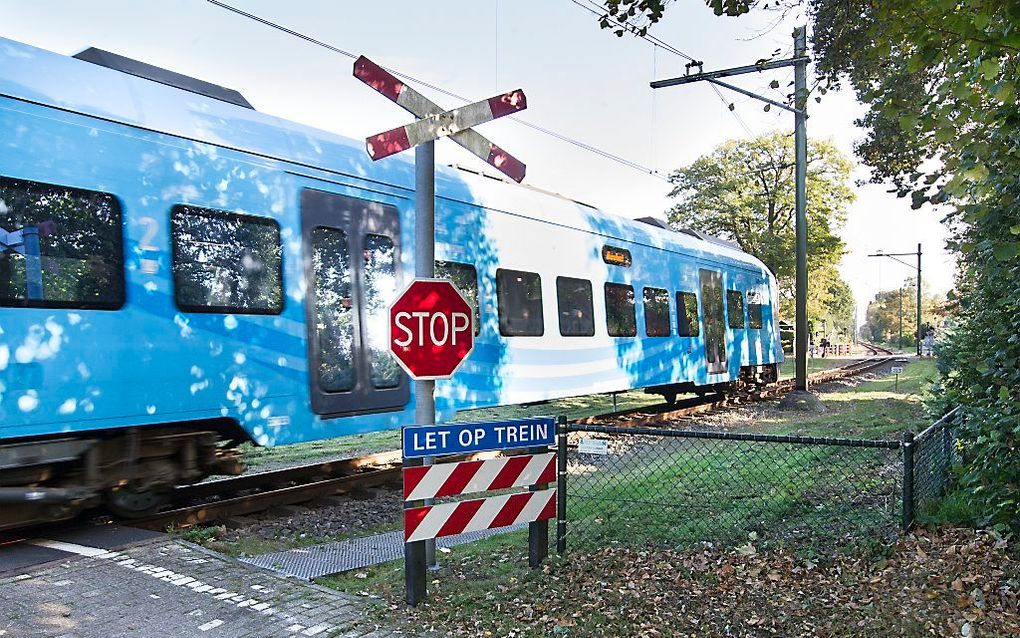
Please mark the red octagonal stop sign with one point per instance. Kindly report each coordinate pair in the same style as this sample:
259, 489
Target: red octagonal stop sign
430, 329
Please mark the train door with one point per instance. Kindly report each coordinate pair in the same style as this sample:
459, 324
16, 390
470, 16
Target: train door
352, 257
715, 323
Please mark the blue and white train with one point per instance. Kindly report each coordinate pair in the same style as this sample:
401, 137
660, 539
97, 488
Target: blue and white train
180, 273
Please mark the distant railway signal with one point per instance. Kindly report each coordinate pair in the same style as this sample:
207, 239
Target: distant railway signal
436, 122
431, 330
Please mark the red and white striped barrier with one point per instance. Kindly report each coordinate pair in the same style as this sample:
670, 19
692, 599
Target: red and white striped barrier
447, 519
451, 479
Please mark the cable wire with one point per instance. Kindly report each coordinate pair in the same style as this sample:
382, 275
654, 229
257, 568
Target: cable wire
597, 10
541, 129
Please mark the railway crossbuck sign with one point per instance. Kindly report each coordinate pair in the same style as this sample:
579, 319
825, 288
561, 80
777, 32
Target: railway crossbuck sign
435, 122
431, 331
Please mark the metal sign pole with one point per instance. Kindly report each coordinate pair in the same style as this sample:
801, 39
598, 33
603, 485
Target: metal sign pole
425, 268
432, 123
420, 554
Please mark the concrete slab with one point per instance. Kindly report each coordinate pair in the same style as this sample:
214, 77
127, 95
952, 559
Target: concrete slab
18, 557
47, 544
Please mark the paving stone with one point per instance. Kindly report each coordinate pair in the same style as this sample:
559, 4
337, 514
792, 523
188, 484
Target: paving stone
171, 588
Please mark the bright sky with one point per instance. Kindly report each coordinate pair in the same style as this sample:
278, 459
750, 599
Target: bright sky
580, 81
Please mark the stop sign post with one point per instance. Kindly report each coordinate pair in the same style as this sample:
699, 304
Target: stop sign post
431, 329
440, 363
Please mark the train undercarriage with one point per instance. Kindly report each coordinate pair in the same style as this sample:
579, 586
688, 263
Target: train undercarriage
130, 472
750, 378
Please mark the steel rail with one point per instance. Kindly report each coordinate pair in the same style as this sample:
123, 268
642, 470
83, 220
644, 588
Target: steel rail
249, 504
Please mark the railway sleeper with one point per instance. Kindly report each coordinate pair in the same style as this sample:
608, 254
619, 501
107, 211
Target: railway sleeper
132, 472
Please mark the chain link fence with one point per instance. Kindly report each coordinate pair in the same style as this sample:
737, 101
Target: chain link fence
935, 452
671, 488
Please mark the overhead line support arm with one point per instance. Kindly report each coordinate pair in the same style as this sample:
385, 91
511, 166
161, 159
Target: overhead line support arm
723, 73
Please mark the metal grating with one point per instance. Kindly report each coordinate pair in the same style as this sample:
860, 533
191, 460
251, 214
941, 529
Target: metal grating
308, 563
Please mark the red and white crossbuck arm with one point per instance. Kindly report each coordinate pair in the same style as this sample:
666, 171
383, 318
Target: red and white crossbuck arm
471, 516
435, 122
466, 477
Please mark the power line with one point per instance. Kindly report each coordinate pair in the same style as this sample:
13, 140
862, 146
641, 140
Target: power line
597, 10
541, 129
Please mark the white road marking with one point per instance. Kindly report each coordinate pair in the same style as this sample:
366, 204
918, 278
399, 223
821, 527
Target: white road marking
71, 548
212, 624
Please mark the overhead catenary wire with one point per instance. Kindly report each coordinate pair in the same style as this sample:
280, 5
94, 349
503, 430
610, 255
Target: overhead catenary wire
655, 41
541, 129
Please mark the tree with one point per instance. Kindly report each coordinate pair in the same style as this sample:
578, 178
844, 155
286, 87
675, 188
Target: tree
882, 321
939, 78
744, 191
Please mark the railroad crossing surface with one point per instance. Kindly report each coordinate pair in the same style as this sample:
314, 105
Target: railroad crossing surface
166, 587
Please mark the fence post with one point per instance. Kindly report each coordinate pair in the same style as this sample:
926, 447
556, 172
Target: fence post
561, 485
538, 531
947, 453
908, 480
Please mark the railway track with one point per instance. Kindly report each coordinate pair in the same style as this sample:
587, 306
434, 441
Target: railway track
640, 417
252, 493
875, 349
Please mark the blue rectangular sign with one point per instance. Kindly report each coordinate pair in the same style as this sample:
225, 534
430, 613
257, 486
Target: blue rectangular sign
459, 438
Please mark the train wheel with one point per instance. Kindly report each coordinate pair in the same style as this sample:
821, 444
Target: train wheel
128, 502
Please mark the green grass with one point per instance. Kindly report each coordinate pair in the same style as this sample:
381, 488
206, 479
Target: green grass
572, 408
724, 490
692, 490
957, 509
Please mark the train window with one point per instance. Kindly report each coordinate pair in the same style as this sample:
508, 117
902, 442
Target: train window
754, 313
656, 312
620, 318
735, 306
225, 262
379, 292
465, 278
59, 247
687, 314
575, 306
334, 312
519, 298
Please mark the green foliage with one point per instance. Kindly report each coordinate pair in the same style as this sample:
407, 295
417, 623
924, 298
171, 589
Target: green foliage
882, 322
744, 191
939, 78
